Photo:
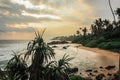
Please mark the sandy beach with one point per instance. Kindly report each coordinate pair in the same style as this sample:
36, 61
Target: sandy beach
105, 58
86, 58
108, 57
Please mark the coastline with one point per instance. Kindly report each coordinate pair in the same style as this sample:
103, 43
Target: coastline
106, 58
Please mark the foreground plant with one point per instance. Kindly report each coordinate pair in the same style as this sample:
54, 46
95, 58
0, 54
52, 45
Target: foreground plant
41, 68
56, 70
40, 53
16, 69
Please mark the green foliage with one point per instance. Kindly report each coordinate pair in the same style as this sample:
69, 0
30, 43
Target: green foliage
76, 77
55, 70
109, 45
101, 34
3, 76
40, 68
92, 43
16, 69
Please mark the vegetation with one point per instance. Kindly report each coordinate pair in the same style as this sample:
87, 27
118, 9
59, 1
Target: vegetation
102, 34
16, 69
41, 67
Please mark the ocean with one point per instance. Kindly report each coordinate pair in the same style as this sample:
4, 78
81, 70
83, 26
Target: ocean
7, 47
83, 59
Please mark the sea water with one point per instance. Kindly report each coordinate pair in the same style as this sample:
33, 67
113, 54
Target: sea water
7, 47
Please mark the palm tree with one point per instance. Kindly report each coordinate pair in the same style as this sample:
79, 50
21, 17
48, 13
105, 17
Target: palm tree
40, 53
111, 10
118, 12
84, 31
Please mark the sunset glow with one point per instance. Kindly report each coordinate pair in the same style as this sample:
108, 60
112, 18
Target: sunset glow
58, 16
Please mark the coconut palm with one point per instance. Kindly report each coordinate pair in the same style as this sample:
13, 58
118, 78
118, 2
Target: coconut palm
40, 53
84, 31
111, 10
118, 13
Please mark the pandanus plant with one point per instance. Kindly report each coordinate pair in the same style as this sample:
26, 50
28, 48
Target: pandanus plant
40, 53
16, 69
56, 70
41, 68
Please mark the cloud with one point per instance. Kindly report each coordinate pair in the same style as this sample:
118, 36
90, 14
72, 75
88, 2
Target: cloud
27, 4
41, 16
22, 16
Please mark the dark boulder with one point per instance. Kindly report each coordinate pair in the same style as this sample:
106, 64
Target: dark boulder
95, 71
89, 70
64, 47
110, 67
54, 46
101, 67
100, 76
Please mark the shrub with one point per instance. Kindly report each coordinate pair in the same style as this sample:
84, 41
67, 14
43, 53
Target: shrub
92, 43
76, 77
109, 45
101, 45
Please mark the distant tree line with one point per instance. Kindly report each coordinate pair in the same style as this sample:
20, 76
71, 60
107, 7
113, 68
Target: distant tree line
102, 33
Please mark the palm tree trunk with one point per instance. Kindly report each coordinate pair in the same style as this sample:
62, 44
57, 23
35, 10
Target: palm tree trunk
119, 64
112, 10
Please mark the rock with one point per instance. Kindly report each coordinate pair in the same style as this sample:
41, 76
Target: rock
95, 71
91, 74
89, 70
109, 74
64, 47
58, 42
101, 67
116, 76
100, 76
110, 67
54, 46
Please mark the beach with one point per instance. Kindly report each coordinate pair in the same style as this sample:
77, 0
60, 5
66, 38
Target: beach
84, 58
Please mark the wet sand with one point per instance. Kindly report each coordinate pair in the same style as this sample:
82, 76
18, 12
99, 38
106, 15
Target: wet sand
89, 58
103, 58
106, 57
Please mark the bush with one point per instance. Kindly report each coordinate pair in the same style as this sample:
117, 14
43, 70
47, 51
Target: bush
101, 45
101, 39
92, 43
109, 45
76, 77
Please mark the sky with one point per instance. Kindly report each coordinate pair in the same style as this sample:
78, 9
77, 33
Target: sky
19, 19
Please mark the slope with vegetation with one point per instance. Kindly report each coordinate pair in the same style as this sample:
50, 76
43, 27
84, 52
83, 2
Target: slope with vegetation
102, 34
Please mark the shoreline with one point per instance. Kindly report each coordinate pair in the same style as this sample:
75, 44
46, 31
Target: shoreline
112, 55
107, 58
98, 50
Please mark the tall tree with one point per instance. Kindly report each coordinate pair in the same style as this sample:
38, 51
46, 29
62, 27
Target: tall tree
118, 13
111, 10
